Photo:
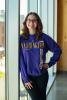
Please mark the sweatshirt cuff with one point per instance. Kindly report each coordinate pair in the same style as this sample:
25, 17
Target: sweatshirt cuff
25, 80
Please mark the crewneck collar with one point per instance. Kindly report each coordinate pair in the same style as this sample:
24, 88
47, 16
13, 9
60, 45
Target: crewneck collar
31, 34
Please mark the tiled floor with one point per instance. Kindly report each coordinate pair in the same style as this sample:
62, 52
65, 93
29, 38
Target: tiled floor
59, 89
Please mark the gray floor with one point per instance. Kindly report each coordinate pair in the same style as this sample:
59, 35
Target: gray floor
59, 88
57, 92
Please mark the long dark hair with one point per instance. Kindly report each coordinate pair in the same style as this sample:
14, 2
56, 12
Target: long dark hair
38, 29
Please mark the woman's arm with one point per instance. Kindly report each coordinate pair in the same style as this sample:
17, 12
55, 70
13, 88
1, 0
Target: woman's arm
22, 65
53, 47
23, 69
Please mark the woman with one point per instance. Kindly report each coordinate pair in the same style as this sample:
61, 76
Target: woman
34, 45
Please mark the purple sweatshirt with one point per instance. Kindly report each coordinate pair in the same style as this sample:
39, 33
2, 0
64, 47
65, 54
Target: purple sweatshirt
32, 52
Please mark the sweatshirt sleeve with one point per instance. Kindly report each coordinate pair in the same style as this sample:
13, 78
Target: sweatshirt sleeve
53, 47
22, 66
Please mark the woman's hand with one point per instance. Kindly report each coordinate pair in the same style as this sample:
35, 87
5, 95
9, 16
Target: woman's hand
28, 85
45, 65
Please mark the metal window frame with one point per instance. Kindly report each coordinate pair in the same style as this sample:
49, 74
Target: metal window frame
12, 30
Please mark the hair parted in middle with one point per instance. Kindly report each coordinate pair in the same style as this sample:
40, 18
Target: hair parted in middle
39, 27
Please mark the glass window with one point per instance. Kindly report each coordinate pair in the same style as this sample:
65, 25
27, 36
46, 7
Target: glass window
47, 18
23, 13
2, 49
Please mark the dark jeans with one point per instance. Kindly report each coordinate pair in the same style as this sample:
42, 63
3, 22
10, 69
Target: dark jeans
38, 92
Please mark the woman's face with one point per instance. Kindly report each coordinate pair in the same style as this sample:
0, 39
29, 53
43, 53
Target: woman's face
31, 22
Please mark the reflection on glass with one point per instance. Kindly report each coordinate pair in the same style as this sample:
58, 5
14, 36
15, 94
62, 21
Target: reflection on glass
2, 49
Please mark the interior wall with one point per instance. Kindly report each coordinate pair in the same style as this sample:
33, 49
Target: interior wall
62, 33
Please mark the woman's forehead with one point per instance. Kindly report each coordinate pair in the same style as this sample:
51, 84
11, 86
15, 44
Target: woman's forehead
32, 16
